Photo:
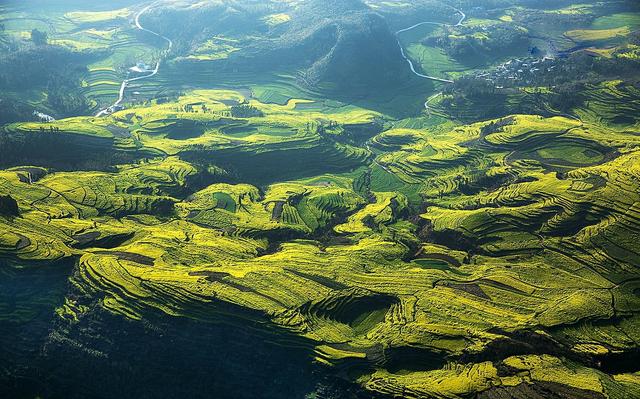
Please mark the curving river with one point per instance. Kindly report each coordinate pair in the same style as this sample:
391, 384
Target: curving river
114, 107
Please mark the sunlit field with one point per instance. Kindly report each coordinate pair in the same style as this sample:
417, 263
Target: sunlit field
315, 199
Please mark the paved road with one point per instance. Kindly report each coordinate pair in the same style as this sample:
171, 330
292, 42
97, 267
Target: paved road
463, 16
113, 107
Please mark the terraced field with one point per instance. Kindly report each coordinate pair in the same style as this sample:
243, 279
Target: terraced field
239, 235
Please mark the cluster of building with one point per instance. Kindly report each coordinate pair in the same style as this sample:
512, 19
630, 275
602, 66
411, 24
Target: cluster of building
520, 71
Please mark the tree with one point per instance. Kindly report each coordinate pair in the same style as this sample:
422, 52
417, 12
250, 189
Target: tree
245, 110
8, 206
39, 38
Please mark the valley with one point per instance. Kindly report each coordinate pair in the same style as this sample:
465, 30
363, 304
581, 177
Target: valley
312, 199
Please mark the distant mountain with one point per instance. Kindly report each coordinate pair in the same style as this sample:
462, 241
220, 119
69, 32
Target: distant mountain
362, 47
338, 43
341, 42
